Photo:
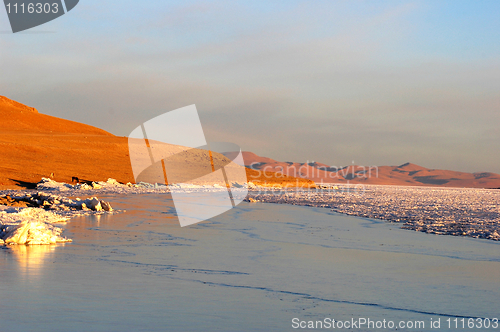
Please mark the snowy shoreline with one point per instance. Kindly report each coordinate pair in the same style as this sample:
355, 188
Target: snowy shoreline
31, 217
445, 211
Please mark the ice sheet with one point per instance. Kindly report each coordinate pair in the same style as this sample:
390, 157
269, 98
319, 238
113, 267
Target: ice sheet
34, 225
111, 186
446, 211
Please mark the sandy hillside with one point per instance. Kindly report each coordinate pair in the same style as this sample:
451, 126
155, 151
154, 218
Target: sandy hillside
407, 174
35, 145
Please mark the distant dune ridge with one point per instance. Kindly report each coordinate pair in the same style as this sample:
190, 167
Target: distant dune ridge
407, 174
35, 145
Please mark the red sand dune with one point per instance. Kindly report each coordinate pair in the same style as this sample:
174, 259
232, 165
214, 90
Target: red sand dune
407, 174
35, 145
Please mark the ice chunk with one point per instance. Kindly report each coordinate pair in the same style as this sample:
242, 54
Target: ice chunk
30, 226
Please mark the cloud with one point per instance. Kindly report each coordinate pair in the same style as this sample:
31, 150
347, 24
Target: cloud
301, 81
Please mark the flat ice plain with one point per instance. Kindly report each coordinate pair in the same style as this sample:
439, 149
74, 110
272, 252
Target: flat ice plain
253, 268
445, 211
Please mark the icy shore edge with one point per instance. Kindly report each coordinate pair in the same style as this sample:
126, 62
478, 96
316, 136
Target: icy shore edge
444, 211
464, 212
30, 218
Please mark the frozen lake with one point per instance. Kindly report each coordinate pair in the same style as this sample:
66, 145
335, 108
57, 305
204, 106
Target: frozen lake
254, 268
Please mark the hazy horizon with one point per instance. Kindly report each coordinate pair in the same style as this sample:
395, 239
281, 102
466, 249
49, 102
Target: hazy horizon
380, 83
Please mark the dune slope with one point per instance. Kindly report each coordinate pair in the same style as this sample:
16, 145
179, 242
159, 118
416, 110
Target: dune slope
407, 174
34, 145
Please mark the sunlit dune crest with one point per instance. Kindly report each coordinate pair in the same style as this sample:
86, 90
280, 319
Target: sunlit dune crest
35, 146
407, 174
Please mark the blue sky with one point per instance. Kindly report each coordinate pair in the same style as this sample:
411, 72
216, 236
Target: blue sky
374, 82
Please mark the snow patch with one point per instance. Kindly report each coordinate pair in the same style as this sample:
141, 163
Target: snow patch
34, 225
111, 186
445, 211
30, 226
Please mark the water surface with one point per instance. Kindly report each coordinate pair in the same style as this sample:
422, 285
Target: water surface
254, 268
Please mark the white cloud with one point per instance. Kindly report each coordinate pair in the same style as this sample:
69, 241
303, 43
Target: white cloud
301, 82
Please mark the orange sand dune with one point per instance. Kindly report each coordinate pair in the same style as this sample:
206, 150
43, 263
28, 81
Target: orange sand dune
407, 174
35, 145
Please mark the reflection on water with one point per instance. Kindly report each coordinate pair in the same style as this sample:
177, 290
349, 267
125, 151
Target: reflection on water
31, 259
255, 267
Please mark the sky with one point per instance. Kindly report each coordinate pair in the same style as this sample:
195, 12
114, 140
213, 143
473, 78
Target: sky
336, 82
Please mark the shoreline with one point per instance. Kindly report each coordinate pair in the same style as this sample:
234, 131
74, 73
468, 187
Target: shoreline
274, 262
34, 218
465, 212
